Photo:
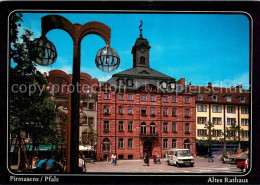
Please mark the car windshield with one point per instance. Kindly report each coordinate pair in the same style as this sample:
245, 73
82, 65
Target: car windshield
184, 153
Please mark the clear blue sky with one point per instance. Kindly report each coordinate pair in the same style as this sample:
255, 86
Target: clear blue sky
201, 48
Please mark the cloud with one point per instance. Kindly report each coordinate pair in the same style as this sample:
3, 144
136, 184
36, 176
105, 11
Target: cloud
237, 80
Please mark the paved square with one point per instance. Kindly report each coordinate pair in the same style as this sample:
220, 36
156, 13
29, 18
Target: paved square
201, 166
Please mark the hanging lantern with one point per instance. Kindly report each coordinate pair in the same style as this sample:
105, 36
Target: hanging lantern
44, 51
107, 59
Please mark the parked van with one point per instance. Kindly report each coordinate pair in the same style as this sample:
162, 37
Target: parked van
179, 157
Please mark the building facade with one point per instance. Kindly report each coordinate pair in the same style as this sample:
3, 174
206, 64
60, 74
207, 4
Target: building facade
88, 104
227, 109
141, 110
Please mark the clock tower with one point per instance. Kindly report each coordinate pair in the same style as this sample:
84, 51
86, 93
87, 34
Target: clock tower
141, 50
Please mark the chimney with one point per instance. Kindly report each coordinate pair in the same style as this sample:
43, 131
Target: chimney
209, 84
239, 87
181, 81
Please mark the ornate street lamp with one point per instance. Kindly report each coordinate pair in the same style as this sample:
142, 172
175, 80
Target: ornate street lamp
107, 60
44, 51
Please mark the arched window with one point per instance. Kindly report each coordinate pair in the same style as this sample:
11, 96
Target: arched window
106, 145
142, 60
143, 128
187, 144
152, 128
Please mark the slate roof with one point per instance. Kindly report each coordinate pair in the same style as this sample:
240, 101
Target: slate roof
222, 93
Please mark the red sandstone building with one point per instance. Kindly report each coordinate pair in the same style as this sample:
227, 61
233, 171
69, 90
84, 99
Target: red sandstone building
146, 111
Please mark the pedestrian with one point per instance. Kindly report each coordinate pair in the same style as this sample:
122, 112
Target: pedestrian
34, 162
113, 158
158, 159
82, 165
41, 165
50, 163
210, 156
146, 160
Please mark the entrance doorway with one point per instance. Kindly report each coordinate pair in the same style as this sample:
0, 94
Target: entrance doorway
148, 148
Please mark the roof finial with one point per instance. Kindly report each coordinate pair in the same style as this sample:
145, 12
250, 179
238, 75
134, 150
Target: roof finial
140, 28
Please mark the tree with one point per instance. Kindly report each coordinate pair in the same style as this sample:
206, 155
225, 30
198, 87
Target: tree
31, 111
233, 133
210, 130
90, 136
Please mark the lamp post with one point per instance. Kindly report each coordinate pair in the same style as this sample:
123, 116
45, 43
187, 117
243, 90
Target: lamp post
107, 60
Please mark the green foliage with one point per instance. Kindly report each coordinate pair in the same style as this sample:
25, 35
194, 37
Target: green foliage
30, 111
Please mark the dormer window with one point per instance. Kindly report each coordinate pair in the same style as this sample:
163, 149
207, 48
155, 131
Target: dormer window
121, 82
229, 98
172, 85
164, 85
200, 96
214, 97
130, 82
242, 99
142, 60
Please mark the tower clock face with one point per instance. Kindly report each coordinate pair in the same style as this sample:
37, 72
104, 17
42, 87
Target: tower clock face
142, 49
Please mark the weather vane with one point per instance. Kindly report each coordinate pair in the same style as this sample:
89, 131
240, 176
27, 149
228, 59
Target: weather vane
140, 27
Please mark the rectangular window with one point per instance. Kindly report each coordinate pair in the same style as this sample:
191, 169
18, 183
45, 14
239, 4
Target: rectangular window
106, 109
152, 98
230, 133
130, 143
165, 143
187, 128
120, 96
202, 132
130, 110
244, 110
174, 99
202, 120
121, 143
90, 121
217, 121
217, 133
214, 97
143, 98
152, 110
187, 113
229, 98
85, 106
121, 110
174, 143
242, 99
231, 121
165, 99
165, 126
106, 96
130, 97
231, 109
165, 111
244, 133
143, 111
106, 125
91, 106
120, 126
216, 109
200, 96
174, 127
202, 108
174, 112
244, 122
187, 100
130, 126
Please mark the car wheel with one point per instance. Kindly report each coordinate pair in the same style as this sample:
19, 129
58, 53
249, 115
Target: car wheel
191, 165
177, 164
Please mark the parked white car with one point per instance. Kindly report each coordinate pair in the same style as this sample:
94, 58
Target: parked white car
179, 157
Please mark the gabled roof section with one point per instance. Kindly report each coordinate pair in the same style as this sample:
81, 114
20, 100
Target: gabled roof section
143, 72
